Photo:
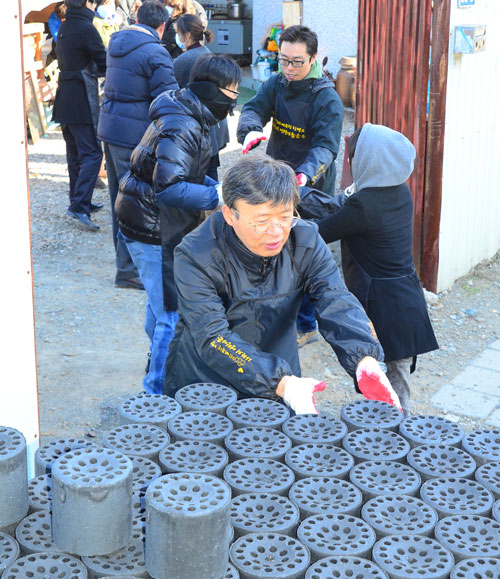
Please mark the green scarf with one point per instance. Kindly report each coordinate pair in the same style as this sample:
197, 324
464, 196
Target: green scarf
315, 72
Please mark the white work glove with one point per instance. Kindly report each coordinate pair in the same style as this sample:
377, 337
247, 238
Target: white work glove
298, 393
374, 384
350, 190
301, 179
218, 188
252, 139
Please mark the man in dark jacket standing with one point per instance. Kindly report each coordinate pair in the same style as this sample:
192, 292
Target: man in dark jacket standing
81, 57
138, 70
240, 278
307, 117
306, 111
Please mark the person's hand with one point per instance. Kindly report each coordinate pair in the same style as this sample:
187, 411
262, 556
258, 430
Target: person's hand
350, 190
374, 384
218, 188
298, 393
252, 139
301, 179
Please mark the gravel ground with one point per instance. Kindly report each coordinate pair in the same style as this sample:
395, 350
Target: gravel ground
91, 347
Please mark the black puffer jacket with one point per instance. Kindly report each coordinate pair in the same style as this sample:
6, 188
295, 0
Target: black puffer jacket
167, 182
237, 310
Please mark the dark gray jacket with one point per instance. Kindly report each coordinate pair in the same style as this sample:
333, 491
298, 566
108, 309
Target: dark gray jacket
237, 310
307, 124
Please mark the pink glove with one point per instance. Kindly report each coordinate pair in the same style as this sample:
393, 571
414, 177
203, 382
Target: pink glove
374, 384
252, 139
301, 179
299, 394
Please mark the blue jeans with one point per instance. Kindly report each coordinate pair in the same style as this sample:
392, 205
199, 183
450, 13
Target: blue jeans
159, 324
306, 322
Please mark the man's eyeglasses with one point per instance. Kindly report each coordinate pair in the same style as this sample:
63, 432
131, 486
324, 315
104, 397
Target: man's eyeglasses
235, 92
295, 63
262, 227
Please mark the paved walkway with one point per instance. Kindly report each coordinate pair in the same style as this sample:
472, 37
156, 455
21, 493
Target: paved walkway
475, 392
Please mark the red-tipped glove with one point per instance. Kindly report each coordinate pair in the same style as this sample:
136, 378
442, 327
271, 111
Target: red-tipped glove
374, 384
299, 394
301, 179
252, 139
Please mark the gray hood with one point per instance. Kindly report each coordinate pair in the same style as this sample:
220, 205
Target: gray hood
383, 158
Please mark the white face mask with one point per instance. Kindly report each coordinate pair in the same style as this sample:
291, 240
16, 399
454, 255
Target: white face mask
179, 42
106, 11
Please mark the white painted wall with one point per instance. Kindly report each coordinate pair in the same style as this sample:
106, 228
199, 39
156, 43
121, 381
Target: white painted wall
18, 390
265, 12
334, 21
336, 24
470, 215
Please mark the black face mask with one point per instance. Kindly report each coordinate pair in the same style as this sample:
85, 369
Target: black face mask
219, 104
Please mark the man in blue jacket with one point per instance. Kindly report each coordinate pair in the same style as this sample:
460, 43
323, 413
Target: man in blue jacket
138, 70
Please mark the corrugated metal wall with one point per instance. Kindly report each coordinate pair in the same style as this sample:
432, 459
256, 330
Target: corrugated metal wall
393, 74
470, 210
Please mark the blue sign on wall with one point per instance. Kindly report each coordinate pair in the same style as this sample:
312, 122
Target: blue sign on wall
465, 3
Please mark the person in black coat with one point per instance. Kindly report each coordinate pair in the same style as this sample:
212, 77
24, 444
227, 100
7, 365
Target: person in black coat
240, 278
138, 70
81, 57
166, 191
375, 225
194, 35
169, 39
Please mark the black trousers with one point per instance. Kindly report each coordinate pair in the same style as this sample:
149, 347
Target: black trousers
84, 157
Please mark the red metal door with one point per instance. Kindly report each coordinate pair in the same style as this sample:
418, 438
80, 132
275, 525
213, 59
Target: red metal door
393, 78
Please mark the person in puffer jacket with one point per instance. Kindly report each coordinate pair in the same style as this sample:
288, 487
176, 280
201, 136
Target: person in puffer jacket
164, 194
138, 70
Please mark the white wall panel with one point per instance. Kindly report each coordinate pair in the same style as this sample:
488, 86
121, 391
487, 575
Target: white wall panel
18, 386
334, 21
470, 217
336, 24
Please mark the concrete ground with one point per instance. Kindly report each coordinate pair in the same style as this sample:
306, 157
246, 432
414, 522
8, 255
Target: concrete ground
475, 392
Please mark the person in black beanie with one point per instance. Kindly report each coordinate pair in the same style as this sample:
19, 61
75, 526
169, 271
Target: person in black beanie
166, 191
82, 58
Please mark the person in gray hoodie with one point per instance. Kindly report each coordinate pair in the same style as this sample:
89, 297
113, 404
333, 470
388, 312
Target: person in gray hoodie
375, 226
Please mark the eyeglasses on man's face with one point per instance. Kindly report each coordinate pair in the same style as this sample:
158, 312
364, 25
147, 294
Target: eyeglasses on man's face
261, 227
285, 62
233, 92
